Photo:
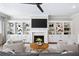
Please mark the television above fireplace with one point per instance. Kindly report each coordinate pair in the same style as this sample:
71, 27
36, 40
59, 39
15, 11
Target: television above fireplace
39, 23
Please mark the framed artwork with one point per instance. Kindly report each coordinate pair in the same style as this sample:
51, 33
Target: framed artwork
59, 28
19, 28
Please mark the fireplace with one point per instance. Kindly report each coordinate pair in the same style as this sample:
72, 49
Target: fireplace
38, 38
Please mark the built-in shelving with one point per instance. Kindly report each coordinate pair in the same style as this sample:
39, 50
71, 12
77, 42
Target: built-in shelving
18, 29
59, 28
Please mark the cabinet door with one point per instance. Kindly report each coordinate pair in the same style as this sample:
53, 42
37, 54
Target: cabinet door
26, 38
55, 38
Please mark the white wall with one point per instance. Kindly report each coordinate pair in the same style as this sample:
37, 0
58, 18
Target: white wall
75, 24
75, 19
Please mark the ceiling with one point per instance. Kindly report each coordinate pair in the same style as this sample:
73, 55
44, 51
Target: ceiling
18, 9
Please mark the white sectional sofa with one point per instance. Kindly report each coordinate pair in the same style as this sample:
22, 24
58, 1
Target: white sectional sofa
16, 46
58, 48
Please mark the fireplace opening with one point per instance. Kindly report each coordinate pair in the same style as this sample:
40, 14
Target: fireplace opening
38, 39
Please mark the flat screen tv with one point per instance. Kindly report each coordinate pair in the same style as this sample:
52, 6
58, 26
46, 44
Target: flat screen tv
39, 23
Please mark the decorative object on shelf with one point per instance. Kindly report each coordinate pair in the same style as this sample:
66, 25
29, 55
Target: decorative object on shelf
11, 24
11, 28
26, 28
51, 28
67, 28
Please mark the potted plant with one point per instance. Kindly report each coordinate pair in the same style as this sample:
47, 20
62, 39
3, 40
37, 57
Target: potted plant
39, 41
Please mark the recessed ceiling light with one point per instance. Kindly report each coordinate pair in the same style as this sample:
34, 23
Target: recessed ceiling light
73, 6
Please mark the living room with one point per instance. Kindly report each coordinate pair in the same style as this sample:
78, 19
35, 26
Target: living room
39, 28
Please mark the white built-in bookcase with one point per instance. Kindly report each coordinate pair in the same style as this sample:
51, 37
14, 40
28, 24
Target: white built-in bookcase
18, 29
59, 30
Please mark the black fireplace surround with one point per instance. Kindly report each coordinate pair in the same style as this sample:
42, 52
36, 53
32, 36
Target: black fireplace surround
36, 37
